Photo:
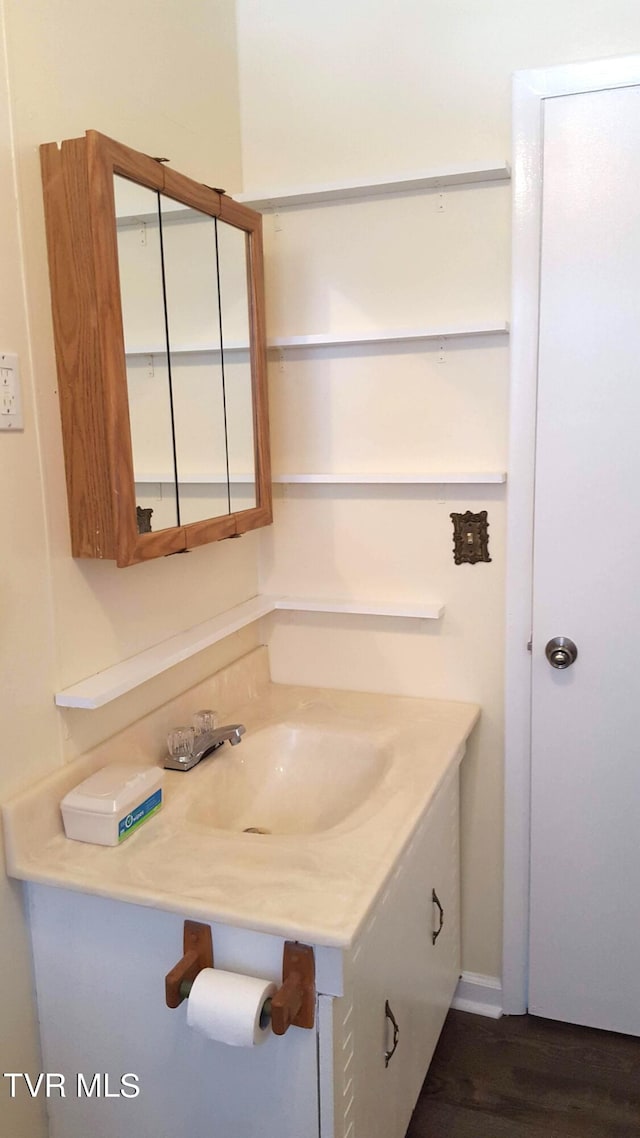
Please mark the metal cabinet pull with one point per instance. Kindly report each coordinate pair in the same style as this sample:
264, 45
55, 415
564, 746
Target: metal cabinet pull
388, 1055
436, 901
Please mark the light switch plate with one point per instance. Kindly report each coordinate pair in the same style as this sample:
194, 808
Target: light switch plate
470, 537
10, 394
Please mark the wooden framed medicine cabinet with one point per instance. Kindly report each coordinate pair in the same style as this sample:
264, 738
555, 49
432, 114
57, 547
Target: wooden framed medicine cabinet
158, 314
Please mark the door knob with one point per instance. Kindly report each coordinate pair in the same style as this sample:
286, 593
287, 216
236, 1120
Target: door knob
561, 652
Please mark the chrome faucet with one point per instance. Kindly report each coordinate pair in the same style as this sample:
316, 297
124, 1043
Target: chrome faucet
204, 744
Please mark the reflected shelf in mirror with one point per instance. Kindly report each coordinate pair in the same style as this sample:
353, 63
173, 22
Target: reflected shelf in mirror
187, 350
178, 215
146, 478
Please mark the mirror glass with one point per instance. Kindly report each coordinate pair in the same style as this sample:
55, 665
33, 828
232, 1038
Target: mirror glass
185, 305
150, 413
234, 308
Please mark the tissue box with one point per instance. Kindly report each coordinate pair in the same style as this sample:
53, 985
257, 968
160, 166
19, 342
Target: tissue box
111, 804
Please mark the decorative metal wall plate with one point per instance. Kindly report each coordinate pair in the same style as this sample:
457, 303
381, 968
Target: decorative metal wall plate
470, 538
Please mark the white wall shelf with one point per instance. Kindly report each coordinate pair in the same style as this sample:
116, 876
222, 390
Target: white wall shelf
341, 191
417, 479
390, 336
361, 608
105, 686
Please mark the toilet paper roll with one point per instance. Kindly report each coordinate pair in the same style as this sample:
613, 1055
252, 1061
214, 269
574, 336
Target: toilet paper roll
226, 1006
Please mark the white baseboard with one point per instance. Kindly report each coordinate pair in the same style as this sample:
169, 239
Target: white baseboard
481, 995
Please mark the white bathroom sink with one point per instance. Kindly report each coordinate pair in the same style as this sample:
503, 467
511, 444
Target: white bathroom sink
341, 778
288, 778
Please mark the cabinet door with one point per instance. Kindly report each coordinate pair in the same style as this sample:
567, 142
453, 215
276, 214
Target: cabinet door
367, 1082
403, 974
428, 942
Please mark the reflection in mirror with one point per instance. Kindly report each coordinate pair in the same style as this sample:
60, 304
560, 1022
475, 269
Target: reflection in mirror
234, 307
150, 411
185, 303
197, 379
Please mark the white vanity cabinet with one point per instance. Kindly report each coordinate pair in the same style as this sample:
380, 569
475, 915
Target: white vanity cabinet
365, 892
100, 967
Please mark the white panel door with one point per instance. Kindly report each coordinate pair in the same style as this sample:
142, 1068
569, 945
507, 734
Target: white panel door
585, 853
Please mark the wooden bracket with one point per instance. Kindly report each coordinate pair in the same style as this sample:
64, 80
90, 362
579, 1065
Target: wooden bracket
294, 1004
198, 954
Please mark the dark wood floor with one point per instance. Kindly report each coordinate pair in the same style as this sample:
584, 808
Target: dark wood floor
524, 1077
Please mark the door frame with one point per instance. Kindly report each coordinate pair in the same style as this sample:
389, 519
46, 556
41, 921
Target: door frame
530, 88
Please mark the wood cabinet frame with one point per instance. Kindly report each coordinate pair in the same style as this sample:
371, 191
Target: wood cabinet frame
90, 353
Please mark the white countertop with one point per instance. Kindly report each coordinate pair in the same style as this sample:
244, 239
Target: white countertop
314, 887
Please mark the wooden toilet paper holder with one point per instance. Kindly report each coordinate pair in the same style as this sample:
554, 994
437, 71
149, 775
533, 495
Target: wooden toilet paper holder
293, 1005
198, 954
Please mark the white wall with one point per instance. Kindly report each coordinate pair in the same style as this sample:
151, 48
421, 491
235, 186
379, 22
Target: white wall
163, 79
367, 87
370, 89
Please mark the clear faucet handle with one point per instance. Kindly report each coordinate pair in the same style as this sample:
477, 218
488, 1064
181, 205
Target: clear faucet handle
180, 741
204, 721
